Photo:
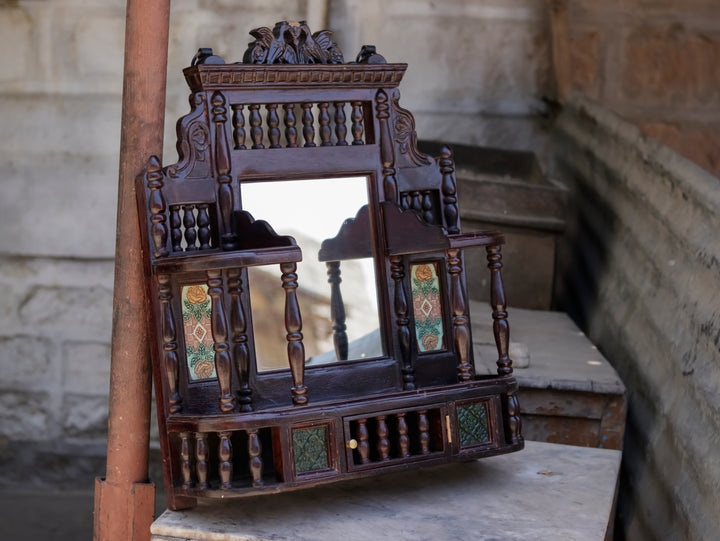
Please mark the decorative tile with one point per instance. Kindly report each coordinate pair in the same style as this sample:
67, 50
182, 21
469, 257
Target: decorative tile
310, 449
196, 312
472, 423
427, 306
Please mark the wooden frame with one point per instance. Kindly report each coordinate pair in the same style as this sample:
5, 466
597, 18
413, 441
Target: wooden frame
231, 434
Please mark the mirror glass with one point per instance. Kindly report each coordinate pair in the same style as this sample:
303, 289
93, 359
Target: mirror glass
312, 211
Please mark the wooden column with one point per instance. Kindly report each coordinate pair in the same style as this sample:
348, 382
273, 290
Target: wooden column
125, 499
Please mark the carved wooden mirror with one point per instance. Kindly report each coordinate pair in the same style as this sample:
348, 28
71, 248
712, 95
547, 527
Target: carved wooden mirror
305, 275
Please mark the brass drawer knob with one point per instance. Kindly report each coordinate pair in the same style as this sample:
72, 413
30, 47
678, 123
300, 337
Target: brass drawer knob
352, 444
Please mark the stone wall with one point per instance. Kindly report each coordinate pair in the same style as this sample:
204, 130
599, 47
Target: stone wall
60, 103
642, 264
654, 62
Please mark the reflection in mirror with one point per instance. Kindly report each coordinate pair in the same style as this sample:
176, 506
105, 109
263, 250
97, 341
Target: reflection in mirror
312, 211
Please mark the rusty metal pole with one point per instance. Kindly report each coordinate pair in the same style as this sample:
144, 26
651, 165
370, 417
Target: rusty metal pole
125, 499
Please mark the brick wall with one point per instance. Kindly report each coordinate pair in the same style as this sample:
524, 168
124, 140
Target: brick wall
654, 62
60, 96
642, 268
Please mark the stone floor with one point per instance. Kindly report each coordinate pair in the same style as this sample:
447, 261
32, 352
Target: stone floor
34, 515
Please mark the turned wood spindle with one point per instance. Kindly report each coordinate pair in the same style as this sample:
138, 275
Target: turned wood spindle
203, 224
186, 464
170, 356
293, 325
223, 166
220, 335
238, 122
424, 428
501, 327
458, 304
416, 202
363, 441
290, 129
515, 422
403, 439
357, 123
255, 463
337, 311
387, 155
449, 190
273, 122
340, 127
427, 207
383, 442
308, 127
176, 229
225, 456
201, 457
238, 325
189, 224
325, 131
157, 207
397, 272
256, 131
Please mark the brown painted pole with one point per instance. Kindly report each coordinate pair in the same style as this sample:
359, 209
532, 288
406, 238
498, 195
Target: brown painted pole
125, 499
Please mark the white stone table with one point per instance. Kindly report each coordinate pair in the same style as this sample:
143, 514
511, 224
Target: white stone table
547, 491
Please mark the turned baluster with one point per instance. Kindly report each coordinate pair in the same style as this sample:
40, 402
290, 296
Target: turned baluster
501, 328
273, 122
403, 439
220, 335
293, 325
240, 352
325, 131
308, 128
416, 202
156, 204
189, 223
427, 207
255, 463
238, 122
383, 443
363, 441
387, 157
397, 272
225, 456
256, 132
170, 357
337, 311
340, 128
461, 331
449, 190
203, 223
290, 130
176, 229
424, 428
201, 456
357, 123
186, 465
223, 166
515, 422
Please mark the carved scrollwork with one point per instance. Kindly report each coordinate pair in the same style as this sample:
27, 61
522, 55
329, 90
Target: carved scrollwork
193, 142
405, 134
292, 43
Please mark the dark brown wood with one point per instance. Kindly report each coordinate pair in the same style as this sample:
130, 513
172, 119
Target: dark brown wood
501, 327
221, 346
379, 414
293, 325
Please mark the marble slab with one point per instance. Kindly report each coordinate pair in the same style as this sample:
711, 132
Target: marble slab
547, 491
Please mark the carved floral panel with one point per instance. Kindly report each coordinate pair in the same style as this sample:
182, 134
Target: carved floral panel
427, 307
196, 311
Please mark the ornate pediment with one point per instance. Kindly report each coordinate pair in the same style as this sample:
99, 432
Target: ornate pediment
292, 43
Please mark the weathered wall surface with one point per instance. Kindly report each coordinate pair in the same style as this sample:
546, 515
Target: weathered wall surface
60, 95
653, 62
643, 278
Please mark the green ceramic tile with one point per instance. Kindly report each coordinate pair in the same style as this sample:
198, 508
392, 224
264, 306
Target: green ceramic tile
196, 311
472, 423
427, 306
310, 449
